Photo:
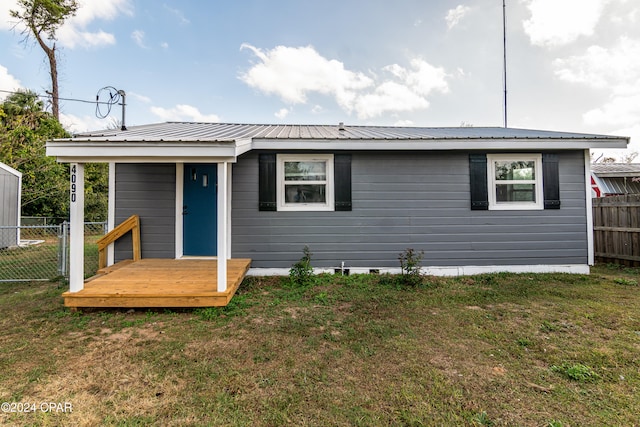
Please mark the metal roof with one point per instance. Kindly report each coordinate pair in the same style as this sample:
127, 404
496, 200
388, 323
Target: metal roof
616, 169
621, 185
617, 178
227, 132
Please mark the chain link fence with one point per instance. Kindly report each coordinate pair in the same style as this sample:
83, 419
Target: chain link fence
41, 252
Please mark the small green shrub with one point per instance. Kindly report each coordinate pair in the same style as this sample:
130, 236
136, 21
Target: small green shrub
549, 327
301, 272
576, 372
410, 261
625, 282
483, 419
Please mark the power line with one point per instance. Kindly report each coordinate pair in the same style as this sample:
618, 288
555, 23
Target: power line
59, 98
115, 96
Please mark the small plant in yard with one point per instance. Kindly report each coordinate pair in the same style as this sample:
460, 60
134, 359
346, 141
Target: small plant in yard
410, 261
547, 326
625, 282
301, 272
483, 419
523, 342
577, 372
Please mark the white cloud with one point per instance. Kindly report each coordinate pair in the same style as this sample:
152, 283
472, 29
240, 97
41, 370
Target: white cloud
455, 15
6, 21
616, 67
295, 73
182, 112
75, 124
557, 23
634, 133
409, 93
615, 70
138, 38
74, 33
178, 14
292, 73
8, 82
282, 113
423, 78
621, 110
137, 96
72, 38
164, 45
389, 97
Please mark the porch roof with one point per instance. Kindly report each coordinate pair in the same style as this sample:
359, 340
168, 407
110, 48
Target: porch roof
211, 141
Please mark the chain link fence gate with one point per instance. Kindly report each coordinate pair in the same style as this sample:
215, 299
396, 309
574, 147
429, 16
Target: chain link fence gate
41, 252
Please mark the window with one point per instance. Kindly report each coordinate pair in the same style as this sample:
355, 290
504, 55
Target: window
334, 187
305, 182
515, 181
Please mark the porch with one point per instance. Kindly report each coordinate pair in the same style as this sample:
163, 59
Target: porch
159, 283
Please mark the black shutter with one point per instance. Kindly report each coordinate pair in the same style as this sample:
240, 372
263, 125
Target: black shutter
550, 181
267, 182
478, 182
342, 181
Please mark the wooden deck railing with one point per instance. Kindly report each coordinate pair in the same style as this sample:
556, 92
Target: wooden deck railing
130, 224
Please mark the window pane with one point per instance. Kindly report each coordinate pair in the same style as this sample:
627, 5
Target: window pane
515, 193
515, 170
305, 171
305, 193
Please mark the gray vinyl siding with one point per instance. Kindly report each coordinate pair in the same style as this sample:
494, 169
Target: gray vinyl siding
9, 186
416, 200
148, 190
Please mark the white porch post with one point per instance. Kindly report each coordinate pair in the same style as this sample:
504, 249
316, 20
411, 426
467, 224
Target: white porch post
229, 201
589, 206
76, 217
223, 220
111, 212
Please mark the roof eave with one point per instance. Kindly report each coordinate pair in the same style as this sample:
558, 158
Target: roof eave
442, 144
91, 151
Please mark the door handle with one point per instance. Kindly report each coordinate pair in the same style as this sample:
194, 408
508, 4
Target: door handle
184, 210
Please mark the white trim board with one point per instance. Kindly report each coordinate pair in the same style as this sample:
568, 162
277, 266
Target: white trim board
465, 270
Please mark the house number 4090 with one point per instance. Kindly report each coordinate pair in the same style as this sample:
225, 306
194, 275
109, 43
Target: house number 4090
73, 183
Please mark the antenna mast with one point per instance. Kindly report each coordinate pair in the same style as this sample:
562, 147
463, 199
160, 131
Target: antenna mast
504, 57
113, 98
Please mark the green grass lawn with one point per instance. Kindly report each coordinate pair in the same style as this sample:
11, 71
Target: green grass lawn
500, 349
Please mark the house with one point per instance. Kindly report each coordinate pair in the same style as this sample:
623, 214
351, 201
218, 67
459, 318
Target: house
473, 199
10, 193
615, 179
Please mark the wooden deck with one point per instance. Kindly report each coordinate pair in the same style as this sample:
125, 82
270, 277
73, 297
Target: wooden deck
159, 283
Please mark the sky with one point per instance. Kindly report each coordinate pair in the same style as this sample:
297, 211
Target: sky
572, 65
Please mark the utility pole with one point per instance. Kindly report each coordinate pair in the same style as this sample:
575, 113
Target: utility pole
504, 57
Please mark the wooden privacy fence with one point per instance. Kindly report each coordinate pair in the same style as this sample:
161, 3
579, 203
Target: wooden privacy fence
616, 229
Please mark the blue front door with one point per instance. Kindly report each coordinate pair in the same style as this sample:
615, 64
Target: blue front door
199, 213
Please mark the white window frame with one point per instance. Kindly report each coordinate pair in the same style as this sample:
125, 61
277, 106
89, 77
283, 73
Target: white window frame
329, 205
493, 204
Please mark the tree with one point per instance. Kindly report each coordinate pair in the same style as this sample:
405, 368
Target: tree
42, 19
628, 157
24, 129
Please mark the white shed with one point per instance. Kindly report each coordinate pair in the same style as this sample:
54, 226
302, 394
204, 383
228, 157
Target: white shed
10, 193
